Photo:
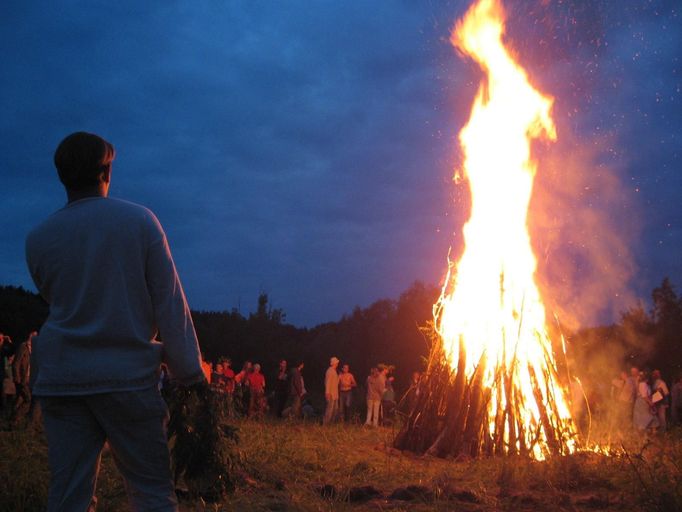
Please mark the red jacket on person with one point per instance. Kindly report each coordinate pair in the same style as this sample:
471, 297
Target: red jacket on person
256, 382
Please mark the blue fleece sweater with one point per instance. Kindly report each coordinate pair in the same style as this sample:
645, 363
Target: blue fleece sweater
105, 268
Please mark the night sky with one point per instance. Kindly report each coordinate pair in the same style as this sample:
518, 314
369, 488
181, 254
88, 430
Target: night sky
306, 149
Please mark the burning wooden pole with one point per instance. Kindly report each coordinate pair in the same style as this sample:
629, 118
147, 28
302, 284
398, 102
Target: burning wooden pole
491, 385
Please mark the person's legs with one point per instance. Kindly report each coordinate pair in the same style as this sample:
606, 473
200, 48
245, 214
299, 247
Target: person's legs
335, 409
260, 404
296, 406
252, 404
346, 397
229, 405
328, 412
135, 426
246, 400
661, 413
376, 404
75, 441
281, 401
22, 404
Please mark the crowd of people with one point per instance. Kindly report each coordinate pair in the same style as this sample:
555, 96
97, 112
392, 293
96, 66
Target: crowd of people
243, 393
636, 400
246, 393
644, 400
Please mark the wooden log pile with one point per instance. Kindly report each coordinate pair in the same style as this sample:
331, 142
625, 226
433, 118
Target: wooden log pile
452, 417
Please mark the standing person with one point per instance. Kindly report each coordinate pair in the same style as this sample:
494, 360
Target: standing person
659, 386
219, 386
242, 380
623, 400
630, 389
643, 415
218, 378
228, 372
346, 385
375, 390
281, 388
331, 391
296, 390
7, 381
104, 267
676, 401
257, 388
631, 383
9, 389
21, 372
388, 402
413, 392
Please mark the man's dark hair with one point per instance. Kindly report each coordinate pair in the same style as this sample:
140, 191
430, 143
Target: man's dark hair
80, 159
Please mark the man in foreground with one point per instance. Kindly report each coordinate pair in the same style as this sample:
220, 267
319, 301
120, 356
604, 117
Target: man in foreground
105, 268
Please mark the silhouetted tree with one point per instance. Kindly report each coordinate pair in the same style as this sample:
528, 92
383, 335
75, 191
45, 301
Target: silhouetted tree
667, 317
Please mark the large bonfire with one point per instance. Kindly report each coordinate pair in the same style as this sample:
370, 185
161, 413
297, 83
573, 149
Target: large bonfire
492, 384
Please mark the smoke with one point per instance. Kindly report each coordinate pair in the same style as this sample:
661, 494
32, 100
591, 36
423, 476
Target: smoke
583, 221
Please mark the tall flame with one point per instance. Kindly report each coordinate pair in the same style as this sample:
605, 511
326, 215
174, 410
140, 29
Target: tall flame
490, 310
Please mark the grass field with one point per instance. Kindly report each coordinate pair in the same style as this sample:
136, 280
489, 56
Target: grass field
308, 467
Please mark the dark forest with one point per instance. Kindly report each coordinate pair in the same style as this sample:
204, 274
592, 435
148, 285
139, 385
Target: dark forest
390, 331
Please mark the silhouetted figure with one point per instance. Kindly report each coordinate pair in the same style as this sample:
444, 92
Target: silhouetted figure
105, 268
24, 404
413, 393
331, 391
281, 388
662, 398
257, 388
346, 385
6, 358
376, 385
296, 390
243, 393
388, 403
228, 372
644, 416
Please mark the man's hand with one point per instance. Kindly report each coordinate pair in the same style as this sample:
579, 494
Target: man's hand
328, 397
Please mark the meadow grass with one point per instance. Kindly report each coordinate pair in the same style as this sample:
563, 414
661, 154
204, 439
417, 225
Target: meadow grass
289, 465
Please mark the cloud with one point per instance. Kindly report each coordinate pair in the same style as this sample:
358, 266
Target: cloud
303, 148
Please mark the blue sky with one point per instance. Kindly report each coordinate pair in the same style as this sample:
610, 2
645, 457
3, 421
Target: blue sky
306, 149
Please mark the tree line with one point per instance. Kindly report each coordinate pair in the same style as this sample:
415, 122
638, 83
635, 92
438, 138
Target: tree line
388, 331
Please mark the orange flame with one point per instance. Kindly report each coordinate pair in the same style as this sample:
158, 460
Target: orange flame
491, 303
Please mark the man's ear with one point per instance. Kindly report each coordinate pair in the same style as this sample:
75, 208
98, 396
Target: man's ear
105, 175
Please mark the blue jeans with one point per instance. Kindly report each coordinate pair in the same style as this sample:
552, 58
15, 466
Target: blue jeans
134, 425
345, 403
